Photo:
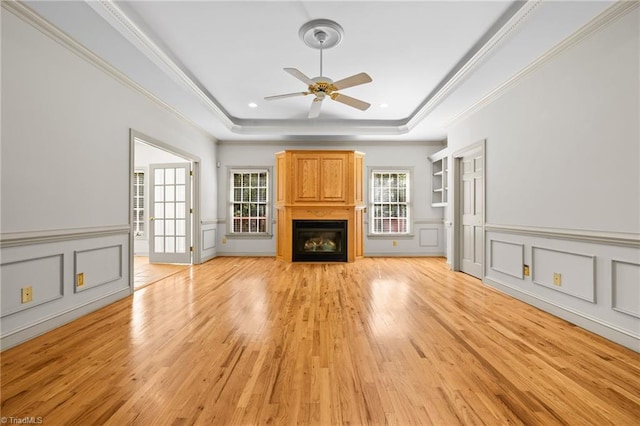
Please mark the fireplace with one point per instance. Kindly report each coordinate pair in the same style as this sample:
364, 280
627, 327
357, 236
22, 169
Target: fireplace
323, 191
319, 241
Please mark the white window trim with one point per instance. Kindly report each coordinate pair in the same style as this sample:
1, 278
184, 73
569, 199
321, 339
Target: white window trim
145, 221
231, 170
370, 205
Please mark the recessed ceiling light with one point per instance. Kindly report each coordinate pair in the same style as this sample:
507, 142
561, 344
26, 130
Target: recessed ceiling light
253, 105
384, 105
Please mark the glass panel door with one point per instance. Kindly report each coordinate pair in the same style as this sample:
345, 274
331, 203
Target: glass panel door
170, 213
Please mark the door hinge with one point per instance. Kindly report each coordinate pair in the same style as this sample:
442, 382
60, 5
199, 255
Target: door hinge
191, 211
191, 249
190, 172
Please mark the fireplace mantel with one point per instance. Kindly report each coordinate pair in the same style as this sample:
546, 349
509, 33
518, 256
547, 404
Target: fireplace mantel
319, 185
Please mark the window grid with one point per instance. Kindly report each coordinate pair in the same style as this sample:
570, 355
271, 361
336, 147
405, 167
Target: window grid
138, 203
390, 206
249, 205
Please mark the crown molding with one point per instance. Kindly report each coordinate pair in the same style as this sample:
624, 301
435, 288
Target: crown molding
128, 29
610, 15
25, 13
470, 65
115, 17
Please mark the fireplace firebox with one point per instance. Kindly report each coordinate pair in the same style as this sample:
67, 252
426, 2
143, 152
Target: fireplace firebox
319, 241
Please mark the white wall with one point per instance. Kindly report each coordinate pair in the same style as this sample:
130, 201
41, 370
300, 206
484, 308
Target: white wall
563, 182
563, 144
427, 238
65, 177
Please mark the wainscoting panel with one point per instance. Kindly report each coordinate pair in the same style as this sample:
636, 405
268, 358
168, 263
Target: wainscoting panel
563, 271
626, 287
99, 266
507, 258
43, 275
49, 265
599, 283
429, 237
208, 238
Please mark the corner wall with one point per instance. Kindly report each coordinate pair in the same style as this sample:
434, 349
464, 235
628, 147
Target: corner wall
427, 238
65, 177
563, 180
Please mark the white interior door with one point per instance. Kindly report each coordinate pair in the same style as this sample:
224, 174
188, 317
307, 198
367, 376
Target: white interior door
472, 213
170, 213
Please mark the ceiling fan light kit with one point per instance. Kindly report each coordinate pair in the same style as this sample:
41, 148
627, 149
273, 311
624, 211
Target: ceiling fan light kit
324, 34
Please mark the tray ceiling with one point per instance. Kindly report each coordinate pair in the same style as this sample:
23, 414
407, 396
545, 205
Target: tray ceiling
430, 60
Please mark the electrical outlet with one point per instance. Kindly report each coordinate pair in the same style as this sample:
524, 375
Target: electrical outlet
394, 243
224, 240
27, 294
557, 278
526, 271
80, 279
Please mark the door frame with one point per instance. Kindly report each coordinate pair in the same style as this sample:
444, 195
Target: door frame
195, 189
456, 205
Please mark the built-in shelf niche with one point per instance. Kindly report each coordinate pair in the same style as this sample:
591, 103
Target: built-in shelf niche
439, 178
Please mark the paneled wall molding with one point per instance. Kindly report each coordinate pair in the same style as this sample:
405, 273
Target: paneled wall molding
15, 239
625, 287
513, 261
582, 268
26, 14
212, 221
597, 237
108, 257
617, 10
46, 270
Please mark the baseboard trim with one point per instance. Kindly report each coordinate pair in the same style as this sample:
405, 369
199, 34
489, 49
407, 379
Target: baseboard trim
597, 326
409, 254
244, 254
44, 325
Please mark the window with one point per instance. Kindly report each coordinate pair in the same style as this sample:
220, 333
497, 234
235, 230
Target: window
138, 203
249, 210
389, 202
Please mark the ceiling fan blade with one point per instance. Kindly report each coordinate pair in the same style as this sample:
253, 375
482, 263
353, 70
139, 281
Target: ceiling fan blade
352, 102
287, 95
314, 112
354, 80
300, 76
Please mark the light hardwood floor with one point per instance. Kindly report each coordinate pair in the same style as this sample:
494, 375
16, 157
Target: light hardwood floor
244, 341
145, 273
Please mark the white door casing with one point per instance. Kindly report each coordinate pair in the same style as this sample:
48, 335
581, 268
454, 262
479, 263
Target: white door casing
469, 210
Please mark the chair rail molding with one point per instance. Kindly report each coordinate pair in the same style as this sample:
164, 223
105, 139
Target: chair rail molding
598, 237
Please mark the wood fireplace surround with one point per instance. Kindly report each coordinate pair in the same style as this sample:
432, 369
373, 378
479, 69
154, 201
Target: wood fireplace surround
319, 185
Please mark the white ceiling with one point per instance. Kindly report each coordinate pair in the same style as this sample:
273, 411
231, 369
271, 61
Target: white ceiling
430, 60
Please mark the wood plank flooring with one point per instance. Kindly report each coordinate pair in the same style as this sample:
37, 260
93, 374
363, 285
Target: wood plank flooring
145, 273
246, 341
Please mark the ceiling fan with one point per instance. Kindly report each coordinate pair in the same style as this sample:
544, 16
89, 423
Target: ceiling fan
323, 34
